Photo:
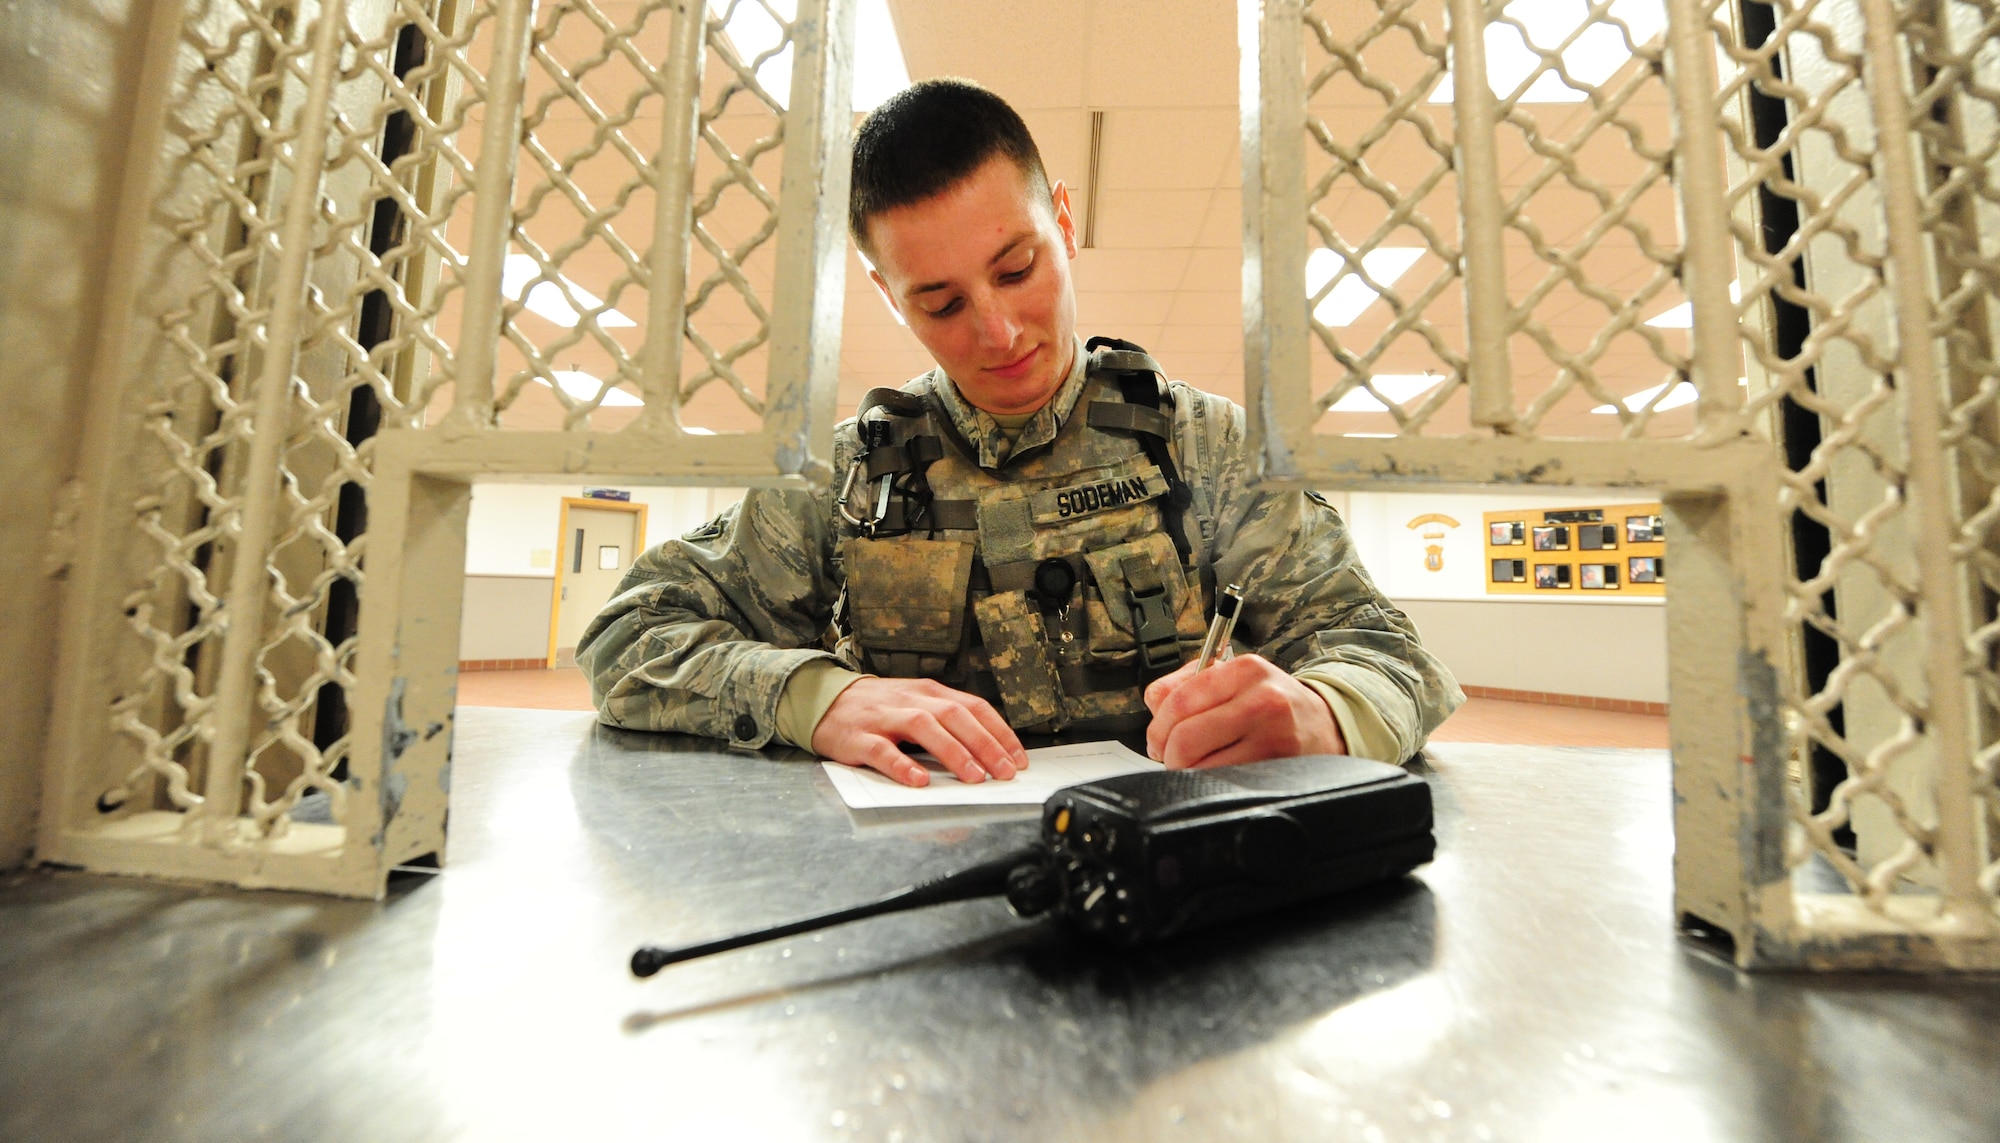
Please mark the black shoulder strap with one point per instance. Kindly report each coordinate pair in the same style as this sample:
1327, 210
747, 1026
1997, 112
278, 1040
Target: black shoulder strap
902, 447
1139, 381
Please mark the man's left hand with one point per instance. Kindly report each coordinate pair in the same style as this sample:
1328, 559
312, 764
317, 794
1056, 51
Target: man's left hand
1243, 709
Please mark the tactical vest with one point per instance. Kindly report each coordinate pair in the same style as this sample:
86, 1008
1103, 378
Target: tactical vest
1056, 587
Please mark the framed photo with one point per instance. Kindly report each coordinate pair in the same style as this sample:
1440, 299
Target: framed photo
1552, 575
1593, 577
1551, 538
1500, 534
1644, 569
1503, 571
1595, 537
1639, 529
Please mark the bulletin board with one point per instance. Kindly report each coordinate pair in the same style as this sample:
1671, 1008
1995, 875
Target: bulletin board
1577, 553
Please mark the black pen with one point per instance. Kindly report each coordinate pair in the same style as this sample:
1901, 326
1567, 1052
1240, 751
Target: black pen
1222, 626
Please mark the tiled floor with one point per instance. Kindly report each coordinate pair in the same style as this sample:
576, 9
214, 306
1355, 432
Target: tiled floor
564, 689
1479, 720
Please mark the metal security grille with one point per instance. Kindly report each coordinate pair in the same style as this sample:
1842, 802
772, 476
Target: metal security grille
352, 246
1784, 326
1735, 252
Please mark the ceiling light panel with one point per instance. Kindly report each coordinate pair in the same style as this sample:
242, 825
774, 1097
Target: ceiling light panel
879, 70
1351, 296
581, 386
546, 298
1400, 388
1683, 394
1597, 54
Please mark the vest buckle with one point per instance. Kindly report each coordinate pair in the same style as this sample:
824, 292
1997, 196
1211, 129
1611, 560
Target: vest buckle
1153, 627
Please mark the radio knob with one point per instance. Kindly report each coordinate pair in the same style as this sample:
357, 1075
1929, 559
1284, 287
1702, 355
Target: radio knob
1033, 890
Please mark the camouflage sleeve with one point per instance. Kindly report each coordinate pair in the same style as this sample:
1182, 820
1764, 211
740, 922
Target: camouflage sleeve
1308, 603
704, 632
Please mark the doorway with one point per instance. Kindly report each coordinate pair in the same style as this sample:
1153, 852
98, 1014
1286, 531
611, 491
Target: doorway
596, 542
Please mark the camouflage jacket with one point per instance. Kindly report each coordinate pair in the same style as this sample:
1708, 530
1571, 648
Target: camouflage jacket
704, 631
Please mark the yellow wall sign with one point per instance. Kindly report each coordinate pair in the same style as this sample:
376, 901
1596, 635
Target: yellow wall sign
1433, 525
1577, 553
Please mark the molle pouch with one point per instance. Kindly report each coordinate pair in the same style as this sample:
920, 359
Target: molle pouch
908, 594
1017, 653
1141, 604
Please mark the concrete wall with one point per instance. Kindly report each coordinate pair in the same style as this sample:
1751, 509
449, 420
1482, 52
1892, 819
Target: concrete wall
67, 69
505, 617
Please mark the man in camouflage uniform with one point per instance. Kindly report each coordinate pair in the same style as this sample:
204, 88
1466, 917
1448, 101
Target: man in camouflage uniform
1012, 527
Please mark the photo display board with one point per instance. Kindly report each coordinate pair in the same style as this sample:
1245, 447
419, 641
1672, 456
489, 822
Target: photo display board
1577, 553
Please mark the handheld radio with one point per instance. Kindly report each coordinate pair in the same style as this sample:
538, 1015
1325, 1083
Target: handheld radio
1145, 856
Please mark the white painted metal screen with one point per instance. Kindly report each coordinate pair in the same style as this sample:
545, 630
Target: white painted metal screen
1582, 213
349, 253
1660, 244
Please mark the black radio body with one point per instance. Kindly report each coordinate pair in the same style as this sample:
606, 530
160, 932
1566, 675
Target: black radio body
1145, 856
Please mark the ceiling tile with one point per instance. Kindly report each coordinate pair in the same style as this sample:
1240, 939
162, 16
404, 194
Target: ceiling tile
1187, 337
1141, 219
1143, 270
1223, 228
1153, 148
1034, 55
1215, 269
1206, 307
1114, 309
1161, 53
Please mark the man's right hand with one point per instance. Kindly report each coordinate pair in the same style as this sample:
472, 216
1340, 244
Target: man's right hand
874, 716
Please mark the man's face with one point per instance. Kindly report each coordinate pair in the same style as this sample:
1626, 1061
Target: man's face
980, 273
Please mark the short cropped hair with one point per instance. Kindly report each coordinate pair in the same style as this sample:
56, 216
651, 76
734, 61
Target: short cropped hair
925, 139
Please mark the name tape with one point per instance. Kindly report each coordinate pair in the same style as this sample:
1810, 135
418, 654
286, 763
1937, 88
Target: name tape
1097, 496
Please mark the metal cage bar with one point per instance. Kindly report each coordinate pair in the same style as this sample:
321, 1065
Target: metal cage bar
220, 634
348, 300
1745, 867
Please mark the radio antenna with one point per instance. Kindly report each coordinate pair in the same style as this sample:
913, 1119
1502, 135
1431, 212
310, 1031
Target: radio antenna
989, 879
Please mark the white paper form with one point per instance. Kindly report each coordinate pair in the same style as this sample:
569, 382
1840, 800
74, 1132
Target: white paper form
1050, 768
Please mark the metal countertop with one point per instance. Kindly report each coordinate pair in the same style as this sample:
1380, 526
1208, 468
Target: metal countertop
1527, 985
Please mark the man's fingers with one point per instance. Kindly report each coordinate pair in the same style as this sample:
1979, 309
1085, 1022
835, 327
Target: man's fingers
1192, 740
1159, 689
1194, 693
971, 733
881, 754
996, 726
1241, 751
923, 728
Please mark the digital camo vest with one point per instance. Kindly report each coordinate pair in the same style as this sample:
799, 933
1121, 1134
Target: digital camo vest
1056, 587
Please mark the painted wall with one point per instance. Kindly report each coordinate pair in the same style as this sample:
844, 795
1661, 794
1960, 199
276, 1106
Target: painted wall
510, 550
512, 529
1597, 647
505, 617
1603, 648
67, 69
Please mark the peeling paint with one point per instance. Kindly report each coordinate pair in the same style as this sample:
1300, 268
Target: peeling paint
396, 738
1758, 684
